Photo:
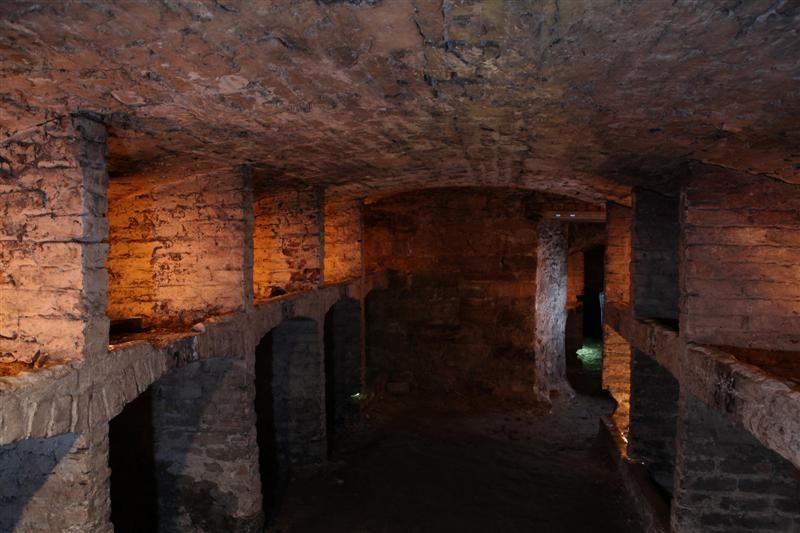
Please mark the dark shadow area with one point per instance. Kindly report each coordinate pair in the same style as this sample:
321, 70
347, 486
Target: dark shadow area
265, 429
24, 468
134, 499
331, 380
342, 368
471, 464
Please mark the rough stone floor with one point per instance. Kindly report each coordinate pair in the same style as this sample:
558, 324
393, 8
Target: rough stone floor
466, 466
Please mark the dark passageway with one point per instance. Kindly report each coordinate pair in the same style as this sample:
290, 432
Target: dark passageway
134, 501
265, 428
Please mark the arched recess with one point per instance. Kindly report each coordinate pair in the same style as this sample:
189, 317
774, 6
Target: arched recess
343, 366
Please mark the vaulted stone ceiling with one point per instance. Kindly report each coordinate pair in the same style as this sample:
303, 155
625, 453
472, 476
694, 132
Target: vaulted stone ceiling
578, 97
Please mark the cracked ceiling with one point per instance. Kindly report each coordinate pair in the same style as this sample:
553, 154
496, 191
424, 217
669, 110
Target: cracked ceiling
576, 97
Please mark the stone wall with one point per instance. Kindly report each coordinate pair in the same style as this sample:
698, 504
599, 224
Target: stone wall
53, 242
459, 314
178, 250
287, 241
342, 239
727, 481
741, 256
655, 255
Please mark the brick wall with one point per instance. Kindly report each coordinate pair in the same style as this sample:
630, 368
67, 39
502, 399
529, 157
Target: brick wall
741, 260
616, 350
617, 375
287, 241
342, 239
728, 481
618, 254
178, 250
653, 418
574, 326
53, 242
654, 256
460, 312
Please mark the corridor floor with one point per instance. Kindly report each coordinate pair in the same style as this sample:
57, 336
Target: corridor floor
426, 466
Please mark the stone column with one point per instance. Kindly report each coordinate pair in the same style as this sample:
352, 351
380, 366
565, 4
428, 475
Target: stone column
728, 481
205, 448
56, 484
53, 234
551, 309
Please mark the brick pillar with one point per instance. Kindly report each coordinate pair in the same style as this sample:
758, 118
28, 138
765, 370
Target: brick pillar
617, 351
551, 309
205, 448
57, 484
653, 414
298, 389
654, 256
575, 287
726, 480
53, 234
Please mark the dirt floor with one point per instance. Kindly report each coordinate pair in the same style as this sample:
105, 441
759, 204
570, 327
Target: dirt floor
433, 465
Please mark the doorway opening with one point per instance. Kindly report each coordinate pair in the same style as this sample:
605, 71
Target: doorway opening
265, 429
131, 457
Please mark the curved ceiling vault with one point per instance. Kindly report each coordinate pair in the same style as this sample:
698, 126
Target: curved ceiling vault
582, 98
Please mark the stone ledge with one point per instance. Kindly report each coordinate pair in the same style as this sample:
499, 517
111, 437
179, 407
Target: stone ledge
77, 396
764, 403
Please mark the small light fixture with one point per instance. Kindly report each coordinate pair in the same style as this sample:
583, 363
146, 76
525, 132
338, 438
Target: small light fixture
558, 215
572, 215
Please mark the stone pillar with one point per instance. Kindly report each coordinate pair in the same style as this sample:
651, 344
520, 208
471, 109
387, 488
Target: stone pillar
56, 484
205, 448
653, 415
299, 390
551, 309
287, 241
726, 480
53, 233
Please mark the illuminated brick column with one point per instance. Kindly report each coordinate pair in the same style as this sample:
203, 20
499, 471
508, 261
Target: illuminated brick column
617, 351
53, 247
343, 234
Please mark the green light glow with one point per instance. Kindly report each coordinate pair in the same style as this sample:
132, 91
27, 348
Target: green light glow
591, 355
